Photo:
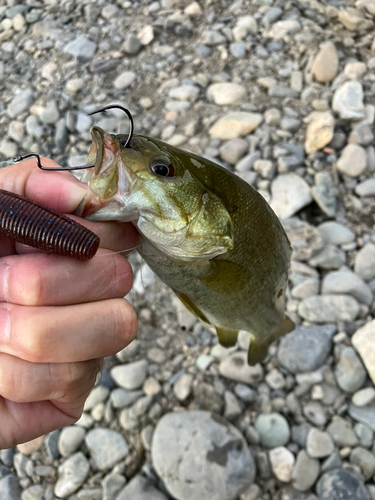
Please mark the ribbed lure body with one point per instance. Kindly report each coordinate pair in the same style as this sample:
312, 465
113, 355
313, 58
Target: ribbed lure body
36, 225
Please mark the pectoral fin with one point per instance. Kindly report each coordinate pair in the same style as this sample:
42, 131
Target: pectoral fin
259, 350
227, 337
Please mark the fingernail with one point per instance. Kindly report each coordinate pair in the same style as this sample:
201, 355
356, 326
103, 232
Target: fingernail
4, 281
4, 325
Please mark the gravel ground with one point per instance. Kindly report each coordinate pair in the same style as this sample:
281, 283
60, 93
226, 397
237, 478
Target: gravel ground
282, 93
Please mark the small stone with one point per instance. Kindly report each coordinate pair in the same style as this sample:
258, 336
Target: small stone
20, 103
10, 488
364, 397
140, 488
364, 341
350, 374
50, 113
273, 429
199, 454
365, 435
124, 80
70, 439
193, 9
232, 407
328, 308
354, 70
306, 348
131, 45
120, 398
341, 484
272, 116
365, 188
282, 463
296, 81
315, 413
348, 101
109, 11
204, 361
233, 150
245, 25
348, 283
74, 85
106, 447
182, 388
98, 395
325, 192
365, 262
330, 257
184, 93
265, 168
319, 444
307, 288
146, 35
72, 475
283, 28
352, 161
290, 193
81, 47
365, 461
365, 415
112, 484
19, 22
353, 20
326, 63
212, 38
247, 162
130, 376
35, 492
334, 233
235, 124
305, 472
305, 239
236, 367
8, 148
319, 132
342, 433
238, 50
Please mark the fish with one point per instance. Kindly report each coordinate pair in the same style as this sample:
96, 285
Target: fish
205, 232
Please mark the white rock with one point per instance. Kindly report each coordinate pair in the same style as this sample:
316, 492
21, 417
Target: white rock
282, 463
364, 341
226, 93
130, 376
290, 193
282, 28
319, 131
365, 262
235, 124
72, 474
326, 63
236, 367
146, 35
352, 161
345, 281
348, 101
124, 80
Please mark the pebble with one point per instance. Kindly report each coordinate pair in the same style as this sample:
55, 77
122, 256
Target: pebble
182, 388
70, 439
81, 47
341, 484
365, 435
352, 161
130, 376
146, 35
232, 407
120, 398
233, 150
212, 38
335, 233
112, 485
235, 124
319, 131
305, 239
140, 488
184, 93
98, 395
106, 447
305, 472
124, 80
50, 113
349, 283
290, 193
131, 45
342, 433
273, 429
364, 460
306, 348
326, 63
319, 444
364, 397
328, 308
282, 463
364, 342
10, 488
283, 28
72, 474
8, 148
20, 103
353, 20
348, 101
226, 93
330, 257
199, 454
235, 367
365, 415
350, 374
365, 188
364, 264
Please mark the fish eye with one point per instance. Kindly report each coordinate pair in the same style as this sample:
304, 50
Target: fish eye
162, 168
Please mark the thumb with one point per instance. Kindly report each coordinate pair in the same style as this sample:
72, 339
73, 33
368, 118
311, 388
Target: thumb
58, 190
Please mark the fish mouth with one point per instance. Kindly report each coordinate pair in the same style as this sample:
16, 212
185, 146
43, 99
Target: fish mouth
104, 148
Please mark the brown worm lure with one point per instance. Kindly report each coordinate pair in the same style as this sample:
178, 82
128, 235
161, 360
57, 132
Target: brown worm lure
38, 226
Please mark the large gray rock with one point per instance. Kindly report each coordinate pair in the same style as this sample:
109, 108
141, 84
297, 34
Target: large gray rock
347, 282
365, 415
199, 454
290, 193
140, 488
328, 308
348, 101
306, 348
72, 475
236, 367
107, 447
341, 484
20, 103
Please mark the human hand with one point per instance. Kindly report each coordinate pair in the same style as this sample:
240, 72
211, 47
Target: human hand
58, 316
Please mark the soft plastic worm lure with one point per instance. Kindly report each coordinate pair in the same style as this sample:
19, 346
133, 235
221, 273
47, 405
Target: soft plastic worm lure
36, 225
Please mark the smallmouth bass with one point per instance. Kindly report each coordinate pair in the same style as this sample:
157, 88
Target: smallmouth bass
206, 233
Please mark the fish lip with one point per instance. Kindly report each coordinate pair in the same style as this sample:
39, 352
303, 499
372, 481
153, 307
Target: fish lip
97, 135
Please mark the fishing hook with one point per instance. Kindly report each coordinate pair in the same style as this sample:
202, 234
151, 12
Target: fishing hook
82, 167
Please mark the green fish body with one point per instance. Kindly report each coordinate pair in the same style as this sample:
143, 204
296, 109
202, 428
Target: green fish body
207, 234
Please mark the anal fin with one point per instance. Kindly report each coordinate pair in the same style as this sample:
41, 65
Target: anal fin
227, 337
